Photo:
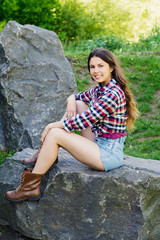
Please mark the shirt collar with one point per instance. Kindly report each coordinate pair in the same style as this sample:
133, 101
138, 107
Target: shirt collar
110, 84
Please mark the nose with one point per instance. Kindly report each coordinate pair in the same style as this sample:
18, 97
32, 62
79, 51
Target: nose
96, 69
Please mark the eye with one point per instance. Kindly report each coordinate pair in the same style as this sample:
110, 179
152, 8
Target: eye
91, 66
100, 65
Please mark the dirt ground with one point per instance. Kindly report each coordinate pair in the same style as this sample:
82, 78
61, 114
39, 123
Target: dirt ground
6, 233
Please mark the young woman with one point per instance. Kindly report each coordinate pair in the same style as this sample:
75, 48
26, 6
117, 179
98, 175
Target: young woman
101, 114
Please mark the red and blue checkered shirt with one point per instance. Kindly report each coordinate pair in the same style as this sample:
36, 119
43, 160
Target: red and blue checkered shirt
106, 113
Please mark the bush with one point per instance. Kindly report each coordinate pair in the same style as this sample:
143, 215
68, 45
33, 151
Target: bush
110, 42
117, 44
70, 19
151, 43
77, 22
42, 13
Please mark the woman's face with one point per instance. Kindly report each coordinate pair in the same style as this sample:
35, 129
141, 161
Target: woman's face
100, 71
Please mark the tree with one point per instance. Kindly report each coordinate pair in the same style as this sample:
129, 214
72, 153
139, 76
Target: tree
31, 12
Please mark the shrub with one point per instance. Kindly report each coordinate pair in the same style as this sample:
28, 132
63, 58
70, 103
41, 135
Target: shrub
150, 43
110, 42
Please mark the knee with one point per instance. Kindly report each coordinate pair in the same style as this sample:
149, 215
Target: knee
81, 106
55, 133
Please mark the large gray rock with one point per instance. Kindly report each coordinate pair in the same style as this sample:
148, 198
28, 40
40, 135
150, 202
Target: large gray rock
2, 141
35, 81
79, 203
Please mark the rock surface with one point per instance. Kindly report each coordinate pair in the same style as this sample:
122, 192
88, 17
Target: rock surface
2, 141
35, 81
79, 203
7, 233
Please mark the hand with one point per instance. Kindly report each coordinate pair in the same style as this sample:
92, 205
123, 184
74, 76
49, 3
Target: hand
44, 134
58, 124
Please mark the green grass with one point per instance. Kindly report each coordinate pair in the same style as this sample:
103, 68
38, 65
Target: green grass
78, 64
143, 73
4, 154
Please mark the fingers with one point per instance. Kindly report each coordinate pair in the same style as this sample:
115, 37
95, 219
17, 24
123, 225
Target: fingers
70, 114
43, 135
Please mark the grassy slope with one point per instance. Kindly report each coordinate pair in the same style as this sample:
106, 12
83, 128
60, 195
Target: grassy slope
143, 73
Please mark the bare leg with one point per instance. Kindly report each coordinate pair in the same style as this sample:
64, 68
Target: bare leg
87, 133
81, 148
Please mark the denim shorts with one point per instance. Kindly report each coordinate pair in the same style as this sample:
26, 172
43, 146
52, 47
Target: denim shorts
111, 151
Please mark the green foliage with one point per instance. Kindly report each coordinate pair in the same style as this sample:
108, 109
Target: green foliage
110, 42
70, 19
117, 44
76, 22
5, 154
85, 20
111, 17
80, 19
81, 76
2, 25
149, 43
41, 13
81, 84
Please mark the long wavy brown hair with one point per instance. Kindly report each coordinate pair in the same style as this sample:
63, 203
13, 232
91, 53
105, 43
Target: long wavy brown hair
117, 74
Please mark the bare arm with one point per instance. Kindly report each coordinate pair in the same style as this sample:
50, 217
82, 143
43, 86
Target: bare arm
71, 107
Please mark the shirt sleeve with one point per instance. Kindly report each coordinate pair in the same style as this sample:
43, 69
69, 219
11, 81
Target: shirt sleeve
85, 96
105, 105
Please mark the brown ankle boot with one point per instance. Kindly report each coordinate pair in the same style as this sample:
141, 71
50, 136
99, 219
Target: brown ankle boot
31, 161
29, 188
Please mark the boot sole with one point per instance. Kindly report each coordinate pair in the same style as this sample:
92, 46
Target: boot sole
24, 199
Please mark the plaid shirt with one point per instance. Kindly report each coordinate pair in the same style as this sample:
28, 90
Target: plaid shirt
106, 112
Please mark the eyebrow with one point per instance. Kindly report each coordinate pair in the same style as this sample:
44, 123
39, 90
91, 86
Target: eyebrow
96, 64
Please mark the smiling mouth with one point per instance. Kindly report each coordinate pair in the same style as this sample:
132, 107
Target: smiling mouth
97, 77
